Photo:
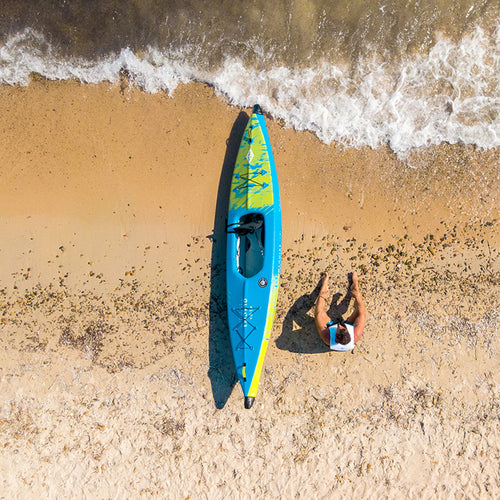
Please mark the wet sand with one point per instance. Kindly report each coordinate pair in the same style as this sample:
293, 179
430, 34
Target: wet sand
116, 369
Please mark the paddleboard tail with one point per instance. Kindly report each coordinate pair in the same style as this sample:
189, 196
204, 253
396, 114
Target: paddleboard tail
249, 402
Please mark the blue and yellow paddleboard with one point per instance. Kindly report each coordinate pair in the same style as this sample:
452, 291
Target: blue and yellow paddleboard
253, 253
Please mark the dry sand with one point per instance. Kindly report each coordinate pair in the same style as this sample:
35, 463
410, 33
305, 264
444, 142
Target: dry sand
116, 370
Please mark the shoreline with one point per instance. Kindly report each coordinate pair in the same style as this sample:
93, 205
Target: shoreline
115, 356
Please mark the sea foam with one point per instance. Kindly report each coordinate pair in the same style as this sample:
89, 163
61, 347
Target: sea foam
450, 94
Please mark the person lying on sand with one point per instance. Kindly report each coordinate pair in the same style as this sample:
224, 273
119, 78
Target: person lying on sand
340, 335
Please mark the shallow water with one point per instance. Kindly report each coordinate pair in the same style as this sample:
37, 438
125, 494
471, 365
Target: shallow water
406, 73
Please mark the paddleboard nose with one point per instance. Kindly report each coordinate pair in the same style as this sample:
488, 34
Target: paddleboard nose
249, 402
257, 109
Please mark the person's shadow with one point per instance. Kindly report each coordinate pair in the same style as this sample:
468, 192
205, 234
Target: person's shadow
298, 333
221, 371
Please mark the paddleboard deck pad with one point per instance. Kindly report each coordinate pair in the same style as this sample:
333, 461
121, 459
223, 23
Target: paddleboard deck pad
253, 253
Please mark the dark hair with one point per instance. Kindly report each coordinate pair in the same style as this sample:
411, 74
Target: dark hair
342, 337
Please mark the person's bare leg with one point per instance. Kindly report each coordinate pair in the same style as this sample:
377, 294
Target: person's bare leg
320, 315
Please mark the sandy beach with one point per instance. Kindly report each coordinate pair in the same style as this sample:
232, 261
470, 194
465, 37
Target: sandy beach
116, 371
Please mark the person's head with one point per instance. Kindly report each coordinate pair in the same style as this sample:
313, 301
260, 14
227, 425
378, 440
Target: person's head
342, 336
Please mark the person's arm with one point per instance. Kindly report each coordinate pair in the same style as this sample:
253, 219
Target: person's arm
320, 315
322, 320
358, 317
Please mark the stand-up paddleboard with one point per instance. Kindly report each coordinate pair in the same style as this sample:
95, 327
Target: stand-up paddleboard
253, 253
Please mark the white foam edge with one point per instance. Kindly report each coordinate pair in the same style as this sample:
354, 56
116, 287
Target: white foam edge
450, 94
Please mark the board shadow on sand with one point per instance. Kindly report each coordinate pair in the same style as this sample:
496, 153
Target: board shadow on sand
298, 332
221, 372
